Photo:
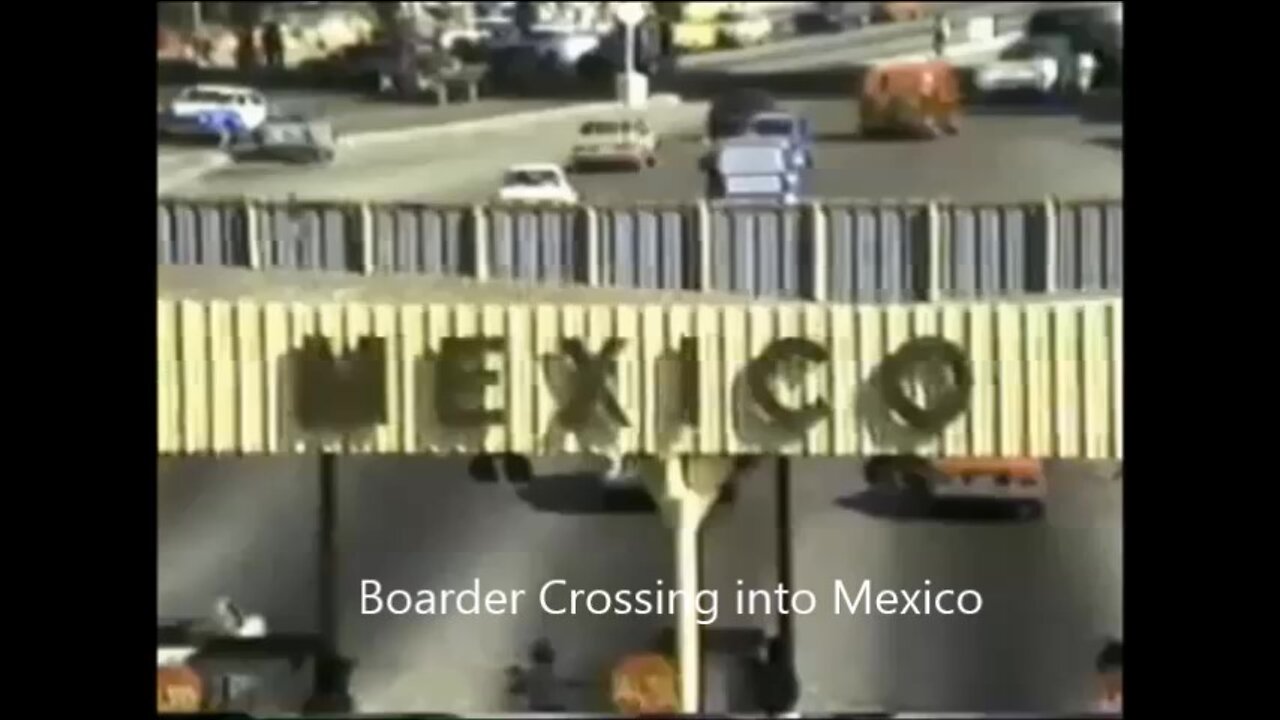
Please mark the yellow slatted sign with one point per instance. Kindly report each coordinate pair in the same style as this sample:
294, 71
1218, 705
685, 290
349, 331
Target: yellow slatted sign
266, 377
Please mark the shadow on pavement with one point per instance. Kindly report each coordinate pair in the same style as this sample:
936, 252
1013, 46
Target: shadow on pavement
1104, 106
886, 506
583, 494
586, 494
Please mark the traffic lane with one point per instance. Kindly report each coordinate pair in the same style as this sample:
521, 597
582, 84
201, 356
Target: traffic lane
376, 115
1051, 593
1001, 154
245, 528
446, 169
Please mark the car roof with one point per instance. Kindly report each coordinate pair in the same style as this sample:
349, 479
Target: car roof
533, 167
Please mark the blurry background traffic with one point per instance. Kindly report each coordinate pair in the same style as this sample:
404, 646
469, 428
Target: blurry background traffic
526, 46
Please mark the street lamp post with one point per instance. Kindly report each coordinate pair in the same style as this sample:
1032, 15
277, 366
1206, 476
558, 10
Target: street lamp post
629, 14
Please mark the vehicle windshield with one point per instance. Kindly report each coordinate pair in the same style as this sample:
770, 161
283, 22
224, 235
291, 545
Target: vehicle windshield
773, 126
1063, 20
1021, 51
206, 96
531, 178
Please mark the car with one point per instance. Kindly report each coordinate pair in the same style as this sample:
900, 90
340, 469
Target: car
1091, 28
738, 28
213, 111
730, 112
829, 17
1042, 65
289, 139
785, 126
913, 99
1078, 21
536, 183
753, 170
629, 143
891, 12
1016, 483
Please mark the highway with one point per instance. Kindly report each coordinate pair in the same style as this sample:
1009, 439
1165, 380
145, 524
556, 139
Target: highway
1051, 591
1001, 154
454, 168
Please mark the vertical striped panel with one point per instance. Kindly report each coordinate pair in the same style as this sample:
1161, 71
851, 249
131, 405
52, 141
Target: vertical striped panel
877, 252
758, 251
423, 239
310, 236
647, 247
1091, 245
992, 251
212, 234
542, 244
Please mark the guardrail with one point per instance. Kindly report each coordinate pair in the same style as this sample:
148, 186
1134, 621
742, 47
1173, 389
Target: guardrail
846, 251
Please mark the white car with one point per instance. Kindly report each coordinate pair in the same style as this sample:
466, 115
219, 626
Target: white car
1028, 65
737, 28
208, 110
537, 183
615, 142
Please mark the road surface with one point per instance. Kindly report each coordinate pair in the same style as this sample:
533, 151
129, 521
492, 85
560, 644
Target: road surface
1002, 154
445, 169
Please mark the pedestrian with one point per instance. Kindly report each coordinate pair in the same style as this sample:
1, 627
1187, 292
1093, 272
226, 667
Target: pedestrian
273, 44
1110, 665
538, 684
246, 50
941, 34
777, 687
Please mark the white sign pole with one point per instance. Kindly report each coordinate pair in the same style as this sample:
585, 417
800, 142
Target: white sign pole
629, 14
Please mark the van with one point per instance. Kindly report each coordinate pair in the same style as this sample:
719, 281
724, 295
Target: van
754, 170
732, 111
889, 12
1017, 481
912, 99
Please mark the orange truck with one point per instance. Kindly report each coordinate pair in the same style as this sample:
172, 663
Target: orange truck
1020, 482
920, 99
885, 12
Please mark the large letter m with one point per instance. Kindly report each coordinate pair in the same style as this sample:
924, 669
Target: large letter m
340, 394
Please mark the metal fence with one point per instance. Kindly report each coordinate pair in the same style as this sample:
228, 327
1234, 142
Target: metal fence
650, 248
848, 251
